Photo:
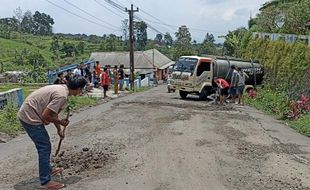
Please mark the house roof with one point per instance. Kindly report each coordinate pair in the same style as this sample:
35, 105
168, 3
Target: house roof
142, 59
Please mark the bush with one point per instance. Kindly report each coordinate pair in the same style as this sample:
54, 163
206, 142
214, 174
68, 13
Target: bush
9, 122
272, 102
302, 125
287, 66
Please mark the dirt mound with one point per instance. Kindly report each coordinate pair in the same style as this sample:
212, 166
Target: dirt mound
77, 161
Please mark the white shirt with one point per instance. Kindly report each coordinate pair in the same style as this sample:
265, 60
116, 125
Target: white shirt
77, 72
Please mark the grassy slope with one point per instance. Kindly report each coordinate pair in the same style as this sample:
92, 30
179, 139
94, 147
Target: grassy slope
39, 44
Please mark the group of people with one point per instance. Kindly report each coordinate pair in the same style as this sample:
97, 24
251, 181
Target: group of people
107, 77
235, 88
96, 76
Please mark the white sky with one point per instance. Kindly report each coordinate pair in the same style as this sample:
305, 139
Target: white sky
201, 16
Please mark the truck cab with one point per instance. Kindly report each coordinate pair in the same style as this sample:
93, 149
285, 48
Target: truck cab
193, 75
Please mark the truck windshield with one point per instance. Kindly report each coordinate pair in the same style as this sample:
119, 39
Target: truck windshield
186, 65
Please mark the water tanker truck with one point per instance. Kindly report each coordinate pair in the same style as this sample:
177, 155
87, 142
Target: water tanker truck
195, 75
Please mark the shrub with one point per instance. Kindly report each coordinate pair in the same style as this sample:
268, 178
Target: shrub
9, 122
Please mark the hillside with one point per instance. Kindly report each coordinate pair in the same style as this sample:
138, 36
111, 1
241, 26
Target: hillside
15, 53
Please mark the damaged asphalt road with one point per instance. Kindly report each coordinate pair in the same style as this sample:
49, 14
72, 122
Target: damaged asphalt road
155, 140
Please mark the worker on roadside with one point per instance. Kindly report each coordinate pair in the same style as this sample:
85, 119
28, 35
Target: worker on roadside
115, 75
105, 81
223, 87
234, 83
241, 84
42, 108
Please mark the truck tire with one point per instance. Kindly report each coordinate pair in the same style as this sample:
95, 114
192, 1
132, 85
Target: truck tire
204, 94
183, 94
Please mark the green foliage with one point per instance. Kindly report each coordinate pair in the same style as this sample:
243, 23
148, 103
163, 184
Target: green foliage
233, 42
272, 102
9, 122
289, 16
287, 66
168, 39
302, 125
78, 102
141, 33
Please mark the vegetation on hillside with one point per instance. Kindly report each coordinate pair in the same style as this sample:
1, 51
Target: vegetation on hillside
286, 88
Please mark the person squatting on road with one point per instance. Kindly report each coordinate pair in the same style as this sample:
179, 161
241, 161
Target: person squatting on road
42, 108
223, 87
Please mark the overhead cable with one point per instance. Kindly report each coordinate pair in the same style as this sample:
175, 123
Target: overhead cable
78, 15
90, 14
108, 9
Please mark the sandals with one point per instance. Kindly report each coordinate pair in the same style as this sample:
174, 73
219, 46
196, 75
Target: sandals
56, 171
53, 186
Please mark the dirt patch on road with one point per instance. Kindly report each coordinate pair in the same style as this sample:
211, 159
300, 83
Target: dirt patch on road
76, 161
184, 105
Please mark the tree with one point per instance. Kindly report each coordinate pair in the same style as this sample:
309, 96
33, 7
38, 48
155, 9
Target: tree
5, 31
12, 23
42, 23
125, 28
284, 16
19, 16
141, 35
233, 39
80, 47
158, 38
55, 44
68, 49
168, 39
183, 42
208, 46
27, 24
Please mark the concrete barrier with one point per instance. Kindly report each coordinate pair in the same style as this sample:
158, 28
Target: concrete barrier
14, 96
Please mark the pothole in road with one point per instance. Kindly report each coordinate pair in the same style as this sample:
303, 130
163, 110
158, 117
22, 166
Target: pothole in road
76, 161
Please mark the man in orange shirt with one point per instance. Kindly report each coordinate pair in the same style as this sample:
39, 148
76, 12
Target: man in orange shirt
223, 87
97, 69
105, 81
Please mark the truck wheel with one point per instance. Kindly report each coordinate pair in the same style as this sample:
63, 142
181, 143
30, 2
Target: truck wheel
183, 94
204, 94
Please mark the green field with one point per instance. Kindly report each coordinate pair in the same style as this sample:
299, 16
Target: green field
12, 48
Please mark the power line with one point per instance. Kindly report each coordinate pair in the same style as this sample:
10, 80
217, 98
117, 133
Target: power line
90, 14
108, 9
151, 27
117, 6
76, 14
173, 26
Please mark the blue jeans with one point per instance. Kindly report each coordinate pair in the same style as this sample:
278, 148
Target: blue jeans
39, 136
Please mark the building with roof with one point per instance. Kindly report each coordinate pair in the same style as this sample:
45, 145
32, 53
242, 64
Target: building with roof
145, 62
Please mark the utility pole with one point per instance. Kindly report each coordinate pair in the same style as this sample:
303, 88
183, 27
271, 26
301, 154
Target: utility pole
131, 55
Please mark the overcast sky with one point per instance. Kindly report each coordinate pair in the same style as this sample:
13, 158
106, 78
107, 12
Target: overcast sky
201, 16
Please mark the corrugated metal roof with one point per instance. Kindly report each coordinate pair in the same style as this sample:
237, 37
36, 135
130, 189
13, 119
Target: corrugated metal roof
142, 59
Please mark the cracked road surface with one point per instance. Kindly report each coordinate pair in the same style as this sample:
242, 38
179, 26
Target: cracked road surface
154, 140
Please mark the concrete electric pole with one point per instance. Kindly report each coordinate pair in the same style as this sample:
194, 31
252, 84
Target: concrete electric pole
131, 38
